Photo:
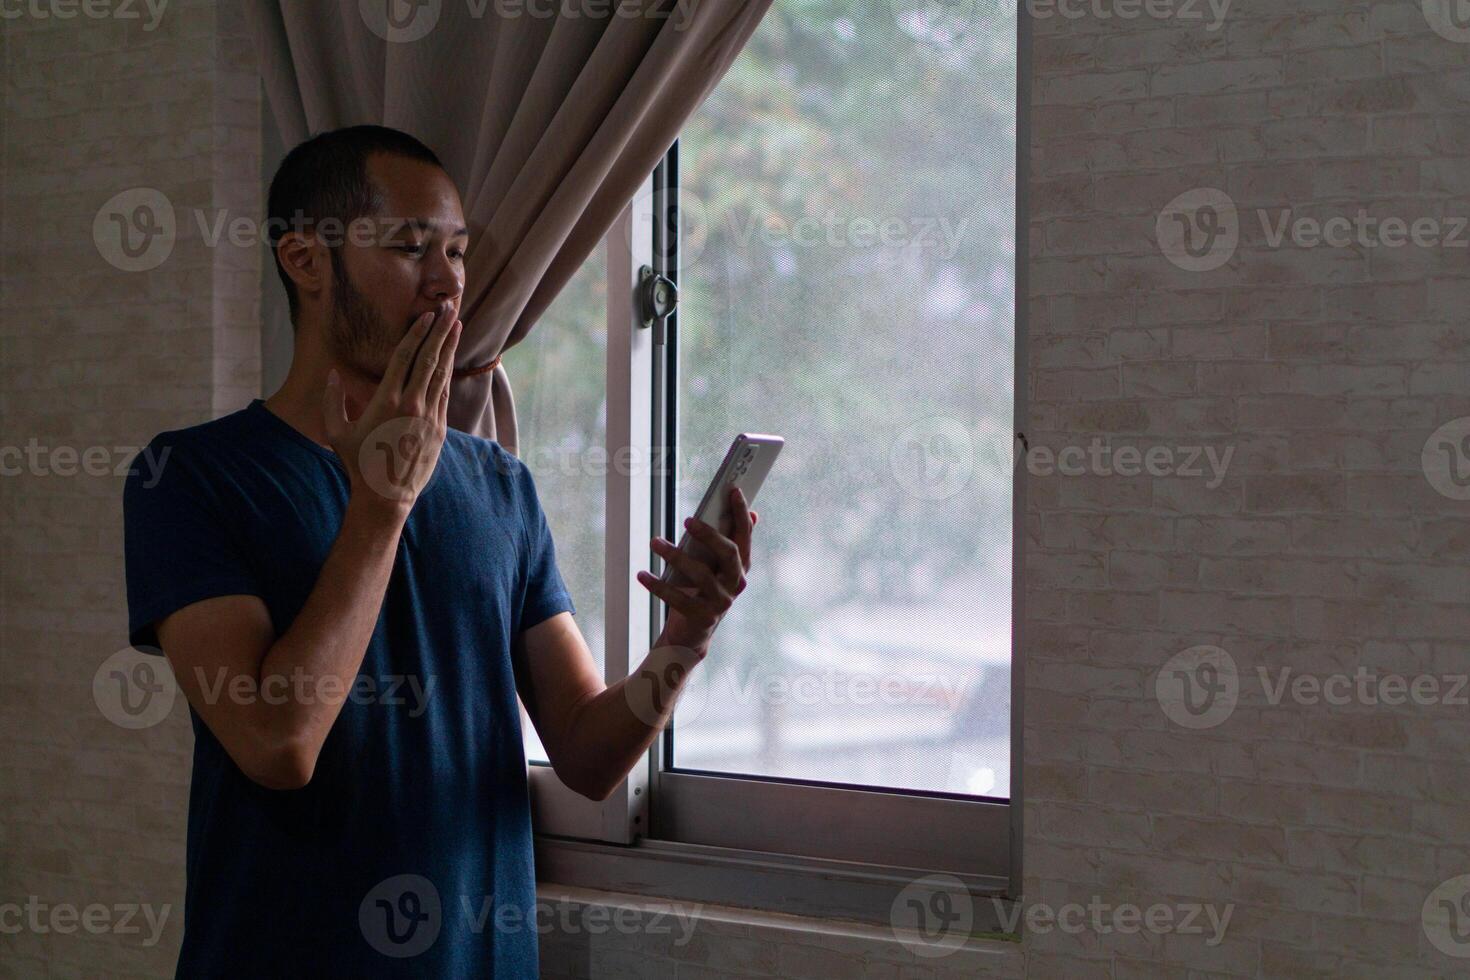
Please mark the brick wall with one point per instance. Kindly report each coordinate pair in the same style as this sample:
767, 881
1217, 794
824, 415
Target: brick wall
1328, 542
1324, 549
94, 357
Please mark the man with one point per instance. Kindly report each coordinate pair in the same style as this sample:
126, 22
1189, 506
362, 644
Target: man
351, 595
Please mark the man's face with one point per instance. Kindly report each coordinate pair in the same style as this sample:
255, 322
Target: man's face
410, 263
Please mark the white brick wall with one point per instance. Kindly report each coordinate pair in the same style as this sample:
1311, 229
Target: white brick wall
1323, 548
91, 356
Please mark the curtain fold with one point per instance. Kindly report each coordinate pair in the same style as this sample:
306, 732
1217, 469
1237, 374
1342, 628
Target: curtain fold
547, 124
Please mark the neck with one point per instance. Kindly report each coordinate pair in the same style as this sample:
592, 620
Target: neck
299, 400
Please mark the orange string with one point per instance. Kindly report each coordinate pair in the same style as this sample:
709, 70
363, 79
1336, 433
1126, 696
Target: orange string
471, 372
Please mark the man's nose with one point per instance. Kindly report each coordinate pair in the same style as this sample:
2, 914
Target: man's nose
444, 280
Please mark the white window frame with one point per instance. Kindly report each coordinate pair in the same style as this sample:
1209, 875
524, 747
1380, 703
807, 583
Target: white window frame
731, 839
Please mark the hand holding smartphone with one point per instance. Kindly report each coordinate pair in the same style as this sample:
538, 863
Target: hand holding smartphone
746, 464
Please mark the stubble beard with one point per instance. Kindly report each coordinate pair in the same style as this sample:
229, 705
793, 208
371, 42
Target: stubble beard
360, 339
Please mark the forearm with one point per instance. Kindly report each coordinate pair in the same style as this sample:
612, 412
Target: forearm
316, 661
610, 732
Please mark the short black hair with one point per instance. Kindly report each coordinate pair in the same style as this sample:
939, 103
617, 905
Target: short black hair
326, 177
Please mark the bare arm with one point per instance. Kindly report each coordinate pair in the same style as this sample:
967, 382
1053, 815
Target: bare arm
274, 737
241, 678
594, 734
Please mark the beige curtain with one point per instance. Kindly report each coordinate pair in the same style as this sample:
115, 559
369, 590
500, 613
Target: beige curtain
548, 115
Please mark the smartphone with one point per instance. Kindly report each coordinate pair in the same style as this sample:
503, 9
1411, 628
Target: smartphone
749, 459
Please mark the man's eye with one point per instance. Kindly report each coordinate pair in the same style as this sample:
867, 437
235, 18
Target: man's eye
411, 249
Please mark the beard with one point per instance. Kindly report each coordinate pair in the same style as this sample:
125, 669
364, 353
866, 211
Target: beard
360, 338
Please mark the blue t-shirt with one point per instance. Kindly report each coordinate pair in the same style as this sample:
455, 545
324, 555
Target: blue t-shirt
409, 852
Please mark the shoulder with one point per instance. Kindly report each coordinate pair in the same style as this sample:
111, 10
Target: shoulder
495, 460
175, 454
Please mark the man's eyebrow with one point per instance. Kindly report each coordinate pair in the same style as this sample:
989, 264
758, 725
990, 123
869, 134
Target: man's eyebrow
420, 224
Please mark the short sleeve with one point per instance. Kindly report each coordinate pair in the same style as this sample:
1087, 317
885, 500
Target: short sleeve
178, 546
544, 593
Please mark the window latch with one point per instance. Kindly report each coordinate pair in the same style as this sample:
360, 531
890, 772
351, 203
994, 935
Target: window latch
657, 296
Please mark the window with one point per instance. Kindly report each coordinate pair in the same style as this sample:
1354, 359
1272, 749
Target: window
841, 220
559, 373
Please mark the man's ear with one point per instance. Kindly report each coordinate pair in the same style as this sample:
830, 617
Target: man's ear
306, 261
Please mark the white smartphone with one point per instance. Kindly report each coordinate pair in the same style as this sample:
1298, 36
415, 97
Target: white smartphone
749, 459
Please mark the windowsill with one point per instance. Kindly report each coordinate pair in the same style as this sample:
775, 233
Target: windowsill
982, 955
786, 896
